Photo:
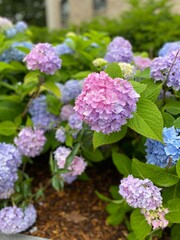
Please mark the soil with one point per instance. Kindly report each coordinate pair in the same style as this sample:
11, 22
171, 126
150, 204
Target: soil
76, 213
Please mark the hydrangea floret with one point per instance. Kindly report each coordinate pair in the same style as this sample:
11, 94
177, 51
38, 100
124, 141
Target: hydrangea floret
128, 70
140, 193
119, 50
43, 57
30, 142
105, 103
15, 220
60, 134
169, 47
66, 111
142, 63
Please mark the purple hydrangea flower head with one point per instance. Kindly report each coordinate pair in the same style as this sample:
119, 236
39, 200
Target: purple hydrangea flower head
77, 166
62, 49
167, 69
60, 134
66, 111
106, 103
70, 90
10, 160
142, 63
43, 57
167, 154
41, 118
119, 50
30, 142
156, 218
5, 24
13, 53
140, 193
169, 47
75, 122
21, 26
15, 220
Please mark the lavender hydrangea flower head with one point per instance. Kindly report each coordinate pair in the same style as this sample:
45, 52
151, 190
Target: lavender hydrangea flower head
30, 142
66, 111
140, 193
15, 220
43, 57
62, 49
77, 166
10, 160
141, 63
106, 103
156, 218
167, 69
169, 47
75, 122
119, 50
127, 69
41, 118
60, 134
167, 154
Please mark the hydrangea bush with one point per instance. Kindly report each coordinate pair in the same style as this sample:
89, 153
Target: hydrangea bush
70, 101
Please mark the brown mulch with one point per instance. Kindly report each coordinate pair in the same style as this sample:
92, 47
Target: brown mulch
76, 213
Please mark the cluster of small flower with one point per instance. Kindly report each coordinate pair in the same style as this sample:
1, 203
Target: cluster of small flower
167, 154
15, 54
10, 159
119, 50
145, 195
62, 49
76, 168
41, 118
169, 47
167, 69
142, 63
106, 103
128, 70
20, 26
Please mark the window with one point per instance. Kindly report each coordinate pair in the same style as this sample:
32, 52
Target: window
99, 4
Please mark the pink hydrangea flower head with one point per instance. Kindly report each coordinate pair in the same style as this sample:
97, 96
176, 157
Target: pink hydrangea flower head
140, 193
156, 218
77, 166
105, 103
30, 142
43, 57
142, 63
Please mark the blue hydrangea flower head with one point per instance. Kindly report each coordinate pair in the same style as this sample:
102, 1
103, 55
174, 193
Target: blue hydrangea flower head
169, 47
21, 26
62, 49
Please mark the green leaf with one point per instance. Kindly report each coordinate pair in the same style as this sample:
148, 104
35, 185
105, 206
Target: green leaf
51, 86
177, 123
100, 139
131, 236
152, 90
171, 192
175, 233
114, 191
174, 211
122, 163
159, 176
102, 197
53, 104
116, 218
93, 155
10, 110
72, 154
147, 120
172, 107
139, 225
168, 119
31, 77
178, 168
7, 128
81, 75
114, 71
4, 66
138, 87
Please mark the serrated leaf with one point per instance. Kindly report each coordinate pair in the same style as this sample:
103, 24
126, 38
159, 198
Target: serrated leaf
93, 155
4, 66
159, 176
122, 163
171, 192
147, 120
152, 90
172, 107
100, 139
31, 77
168, 120
138, 87
114, 70
176, 123
174, 211
175, 233
7, 128
139, 225
178, 168
10, 110
50, 85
